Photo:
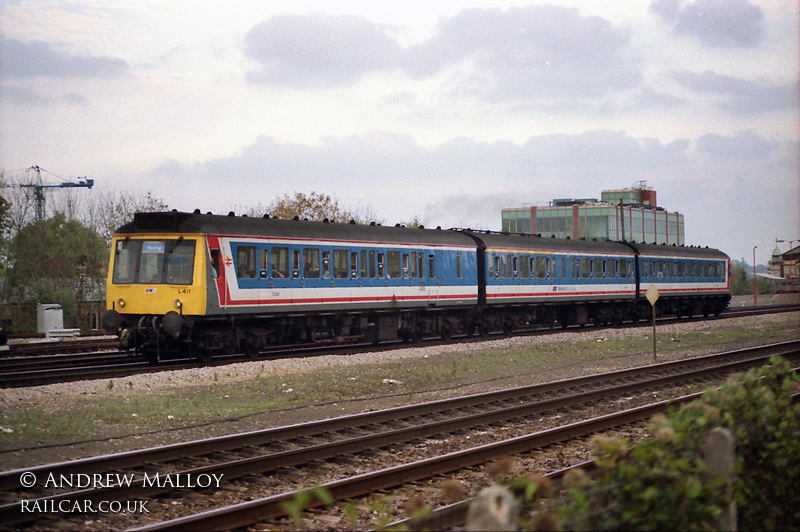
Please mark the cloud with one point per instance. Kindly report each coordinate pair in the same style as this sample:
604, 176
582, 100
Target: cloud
716, 23
522, 53
317, 50
24, 60
530, 52
743, 96
23, 96
744, 145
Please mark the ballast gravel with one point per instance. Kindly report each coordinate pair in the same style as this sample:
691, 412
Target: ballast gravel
165, 381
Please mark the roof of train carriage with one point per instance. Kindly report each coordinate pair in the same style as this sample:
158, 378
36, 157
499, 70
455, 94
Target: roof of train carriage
687, 252
182, 222
565, 245
495, 240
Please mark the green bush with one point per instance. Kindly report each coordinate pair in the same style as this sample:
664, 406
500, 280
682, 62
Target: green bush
661, 482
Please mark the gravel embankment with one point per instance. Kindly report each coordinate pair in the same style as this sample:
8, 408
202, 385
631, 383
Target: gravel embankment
165, 381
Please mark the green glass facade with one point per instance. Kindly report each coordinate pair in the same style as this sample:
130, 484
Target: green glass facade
603, 221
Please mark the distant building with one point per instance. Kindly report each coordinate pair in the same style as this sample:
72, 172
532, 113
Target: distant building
784, 268
630, 214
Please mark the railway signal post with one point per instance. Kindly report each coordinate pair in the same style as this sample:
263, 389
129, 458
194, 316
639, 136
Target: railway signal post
652, 297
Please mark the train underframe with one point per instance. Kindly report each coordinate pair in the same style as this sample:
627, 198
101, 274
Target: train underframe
176, 336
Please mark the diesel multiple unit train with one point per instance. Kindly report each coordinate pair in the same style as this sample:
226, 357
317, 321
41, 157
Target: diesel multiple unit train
192, 284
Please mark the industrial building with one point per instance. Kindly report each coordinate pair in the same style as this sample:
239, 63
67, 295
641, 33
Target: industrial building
630, 214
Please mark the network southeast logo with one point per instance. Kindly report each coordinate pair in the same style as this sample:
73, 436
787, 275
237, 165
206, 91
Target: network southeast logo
149, 290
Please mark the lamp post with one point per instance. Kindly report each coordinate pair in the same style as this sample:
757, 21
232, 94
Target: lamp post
755, 279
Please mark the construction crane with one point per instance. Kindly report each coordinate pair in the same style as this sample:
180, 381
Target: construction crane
39, 186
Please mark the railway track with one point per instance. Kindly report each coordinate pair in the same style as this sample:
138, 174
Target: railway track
39, 370
281, 451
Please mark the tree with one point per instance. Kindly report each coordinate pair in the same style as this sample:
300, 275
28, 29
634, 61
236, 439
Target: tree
317, 207
56, 261
107, 210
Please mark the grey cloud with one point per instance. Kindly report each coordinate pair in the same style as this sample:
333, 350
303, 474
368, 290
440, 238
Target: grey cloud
522, 53
744, 145
318, 50
24, 60
742, 96
530, 51
22, 96
714, 22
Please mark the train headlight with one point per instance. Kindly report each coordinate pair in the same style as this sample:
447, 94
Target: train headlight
178, 303
121, 302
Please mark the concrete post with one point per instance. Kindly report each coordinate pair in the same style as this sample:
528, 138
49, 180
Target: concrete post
719, 453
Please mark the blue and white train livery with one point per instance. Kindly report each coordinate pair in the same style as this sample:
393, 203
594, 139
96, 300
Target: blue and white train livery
197, 284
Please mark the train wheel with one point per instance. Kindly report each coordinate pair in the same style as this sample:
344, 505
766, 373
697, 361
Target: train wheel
153, 357
447, 333
508, 328
204, 355
251, 349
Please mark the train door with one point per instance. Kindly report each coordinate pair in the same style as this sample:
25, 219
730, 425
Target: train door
217, 264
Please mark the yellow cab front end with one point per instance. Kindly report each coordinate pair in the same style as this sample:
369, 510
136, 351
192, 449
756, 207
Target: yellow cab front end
156, 285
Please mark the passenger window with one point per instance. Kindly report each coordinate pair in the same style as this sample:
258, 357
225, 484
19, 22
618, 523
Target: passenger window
405, 265
515, 266
540, 269
381, 265
393, 268
311, 268
496, 269
364, 271
372, 264
262, 264
295, 263
550, 267
280, 263
340, 263
524, 271
413, 264
458, 265
431, 271
246, 262
600, 268
586, 268
354, 264
326, 264
421, 264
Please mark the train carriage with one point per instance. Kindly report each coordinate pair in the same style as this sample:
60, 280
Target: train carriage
543, 280
690, 280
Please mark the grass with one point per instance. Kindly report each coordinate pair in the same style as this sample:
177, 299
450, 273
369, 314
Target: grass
141, 411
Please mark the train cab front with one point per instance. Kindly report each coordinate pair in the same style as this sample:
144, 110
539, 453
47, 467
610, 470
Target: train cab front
154, 293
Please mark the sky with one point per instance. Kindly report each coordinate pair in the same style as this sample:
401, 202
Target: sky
447, 111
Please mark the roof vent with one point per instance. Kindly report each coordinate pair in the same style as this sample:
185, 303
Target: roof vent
231, 213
